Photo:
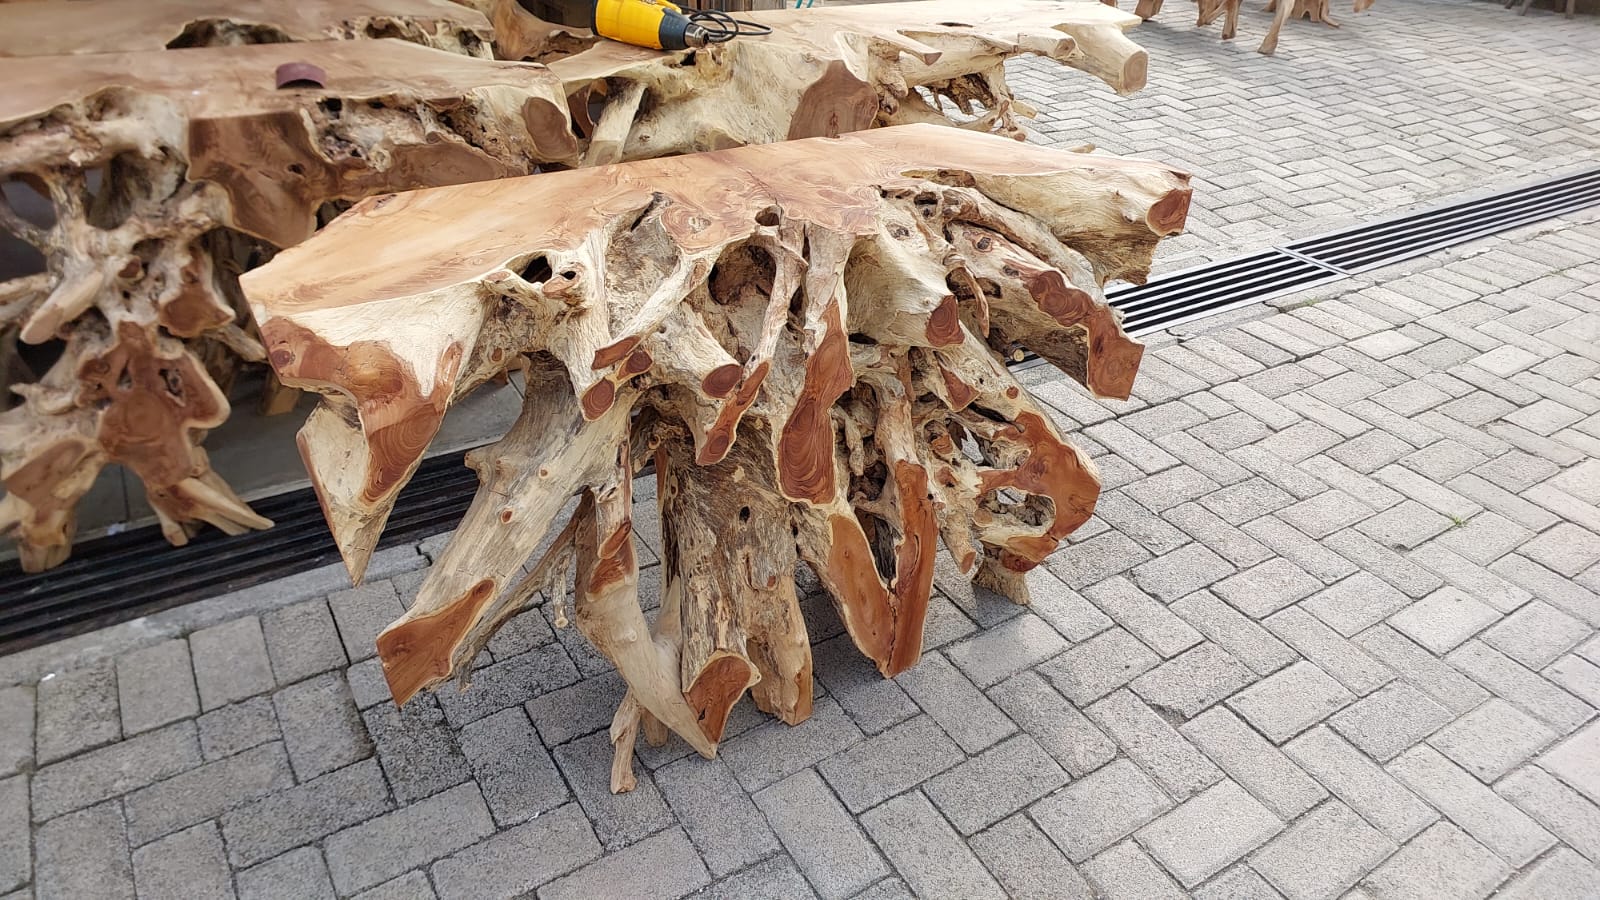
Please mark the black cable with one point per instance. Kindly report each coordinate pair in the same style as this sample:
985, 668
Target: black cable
721, 27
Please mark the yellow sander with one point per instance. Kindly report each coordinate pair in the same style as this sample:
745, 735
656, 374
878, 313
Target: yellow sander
660, 25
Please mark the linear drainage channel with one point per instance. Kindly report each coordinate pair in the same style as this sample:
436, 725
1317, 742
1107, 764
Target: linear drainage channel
121, 577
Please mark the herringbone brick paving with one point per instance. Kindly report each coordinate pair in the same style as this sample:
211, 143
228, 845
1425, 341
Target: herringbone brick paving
1335, 628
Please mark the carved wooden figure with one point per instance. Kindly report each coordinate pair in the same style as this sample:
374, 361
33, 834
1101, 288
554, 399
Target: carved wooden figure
140, 279
805, 339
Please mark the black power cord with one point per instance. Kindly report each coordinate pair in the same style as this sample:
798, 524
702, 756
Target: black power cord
721, 27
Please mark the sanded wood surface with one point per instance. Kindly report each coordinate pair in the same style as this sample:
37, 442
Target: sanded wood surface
807, 339
64, 27
140, 269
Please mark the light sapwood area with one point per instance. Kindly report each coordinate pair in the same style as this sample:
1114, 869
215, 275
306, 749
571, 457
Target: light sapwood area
58, 27
806, 339
158, 194
822, 72
271, 163
1210, 10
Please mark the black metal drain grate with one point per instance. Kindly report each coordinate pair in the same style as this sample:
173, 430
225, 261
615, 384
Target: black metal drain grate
1381, 243
114, 579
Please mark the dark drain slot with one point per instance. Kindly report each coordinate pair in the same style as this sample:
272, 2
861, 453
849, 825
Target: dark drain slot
1382, 243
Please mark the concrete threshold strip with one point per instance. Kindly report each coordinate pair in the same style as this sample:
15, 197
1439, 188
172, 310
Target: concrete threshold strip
136, 573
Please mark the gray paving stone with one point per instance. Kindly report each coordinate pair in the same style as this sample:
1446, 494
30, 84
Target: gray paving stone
1167, 489
1233, 545
1247, 500
873, 702
1242, 638
516, 861
618, 819
296, 875
230, 662
1238, 883
1230, 432
660, 867
1470, 577
997, 653
518, 778
322, 728
1505, 677
1316, 559
1192, 681
1573, 761
1563, 593
960, 709
1286, 703
205, 792
277, 822
1443, 683
1444, 619
1366, 554
375, 851
1443, 861
1099, 666
16, 728
16, 839
361, 613
1254, 763
1155, 625
928, 853
1128, 517
1490, 819
1566, 549
1126, 872
1177, 574
1325, 513
410, 886
1324, 854
1405, 526
1561, 874
1096, 811
1264, 589
1356, 603
820, 835
417, 749
77, 711
1064, 732
721, 821
1096, 559
1027, 865
1345, 661
576, 710
1391, 720
1559, 808
508, 683
367, 683
115, 770
1158, 748
896, 760
237, 728
995, 783
1209, 832
1492, 740
302, 641
155, 685
189, 865
1361, 783
775, 751
776, 878
1372, 450
1127, 445
83, 854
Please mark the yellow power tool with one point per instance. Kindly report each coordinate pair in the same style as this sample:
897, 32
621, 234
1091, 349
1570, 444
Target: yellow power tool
662, 26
